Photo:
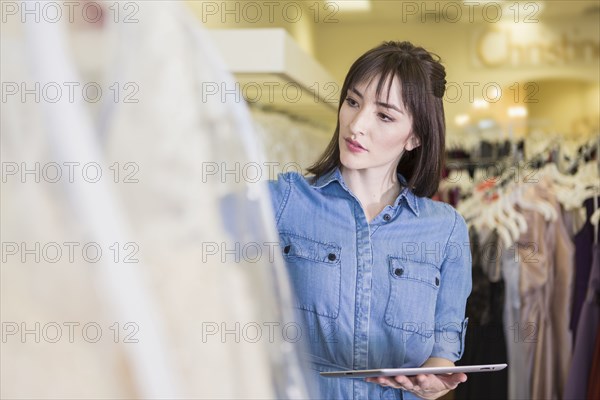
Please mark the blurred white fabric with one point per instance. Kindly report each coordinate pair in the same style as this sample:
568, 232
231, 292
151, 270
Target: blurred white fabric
293, 144
155, 314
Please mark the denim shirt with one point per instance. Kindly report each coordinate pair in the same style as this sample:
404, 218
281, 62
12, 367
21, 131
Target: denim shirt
388, 293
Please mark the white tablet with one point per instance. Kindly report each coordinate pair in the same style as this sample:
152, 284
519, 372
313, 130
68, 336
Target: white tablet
368, 373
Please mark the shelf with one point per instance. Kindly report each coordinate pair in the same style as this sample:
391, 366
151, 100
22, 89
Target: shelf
274, 72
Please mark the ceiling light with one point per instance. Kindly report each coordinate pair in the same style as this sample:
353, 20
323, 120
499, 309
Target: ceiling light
350, 5
486, 123
516, 112
461, 119
480, 103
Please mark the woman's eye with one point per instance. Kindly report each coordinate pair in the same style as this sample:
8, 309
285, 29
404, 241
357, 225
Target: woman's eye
351, 101
385, 117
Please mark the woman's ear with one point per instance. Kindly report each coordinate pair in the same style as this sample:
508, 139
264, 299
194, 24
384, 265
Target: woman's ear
412, 143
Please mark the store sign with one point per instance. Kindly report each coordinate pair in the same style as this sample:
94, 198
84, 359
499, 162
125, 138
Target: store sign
535, 46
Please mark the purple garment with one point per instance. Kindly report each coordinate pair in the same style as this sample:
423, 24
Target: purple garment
587, 329
583, 263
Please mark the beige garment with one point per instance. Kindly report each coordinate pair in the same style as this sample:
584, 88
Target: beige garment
546, 257
560, 302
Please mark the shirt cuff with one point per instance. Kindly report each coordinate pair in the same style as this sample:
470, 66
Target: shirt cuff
450, 341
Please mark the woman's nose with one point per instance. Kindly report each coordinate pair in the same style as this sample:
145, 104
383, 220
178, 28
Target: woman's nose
360, 123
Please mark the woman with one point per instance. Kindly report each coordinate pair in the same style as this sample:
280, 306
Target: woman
381, 272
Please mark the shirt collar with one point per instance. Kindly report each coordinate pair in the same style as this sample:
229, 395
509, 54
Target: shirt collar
336, 175
326, 179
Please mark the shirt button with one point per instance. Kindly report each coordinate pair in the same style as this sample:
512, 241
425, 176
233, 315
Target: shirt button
437, 281
287, 248
331, 257
387, 217
398, 271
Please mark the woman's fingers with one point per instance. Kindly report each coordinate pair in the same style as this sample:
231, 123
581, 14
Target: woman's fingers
405, 382
421, 384
396, 384
426, 382
453, 380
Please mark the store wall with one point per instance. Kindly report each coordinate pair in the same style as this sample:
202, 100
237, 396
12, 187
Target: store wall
574, 104
592, 102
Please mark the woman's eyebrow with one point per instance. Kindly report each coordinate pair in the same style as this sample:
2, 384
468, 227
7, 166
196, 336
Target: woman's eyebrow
379, 103
359, 94
387, 105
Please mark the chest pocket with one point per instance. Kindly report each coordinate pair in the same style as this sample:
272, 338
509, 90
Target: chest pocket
315, 273
413, 294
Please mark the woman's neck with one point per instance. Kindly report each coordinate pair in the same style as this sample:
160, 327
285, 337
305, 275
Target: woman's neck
374, 188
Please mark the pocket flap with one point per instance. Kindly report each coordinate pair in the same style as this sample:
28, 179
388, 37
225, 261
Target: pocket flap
407, 269
310, 249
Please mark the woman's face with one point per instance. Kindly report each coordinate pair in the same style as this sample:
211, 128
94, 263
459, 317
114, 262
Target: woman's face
374, 132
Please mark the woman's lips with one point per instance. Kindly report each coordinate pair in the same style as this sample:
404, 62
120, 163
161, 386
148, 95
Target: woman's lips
354, 146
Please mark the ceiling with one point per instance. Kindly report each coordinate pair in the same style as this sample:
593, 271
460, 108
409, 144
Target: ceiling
446, 11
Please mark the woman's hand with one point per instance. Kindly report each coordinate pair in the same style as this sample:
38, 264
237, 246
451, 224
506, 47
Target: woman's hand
425, 386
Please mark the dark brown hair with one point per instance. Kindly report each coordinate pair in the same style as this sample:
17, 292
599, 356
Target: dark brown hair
422, 78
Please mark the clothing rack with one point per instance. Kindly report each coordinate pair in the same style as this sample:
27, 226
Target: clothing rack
586, 151
549, 154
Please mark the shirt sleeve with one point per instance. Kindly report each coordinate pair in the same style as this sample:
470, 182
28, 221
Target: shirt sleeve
455, 287
280, 190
